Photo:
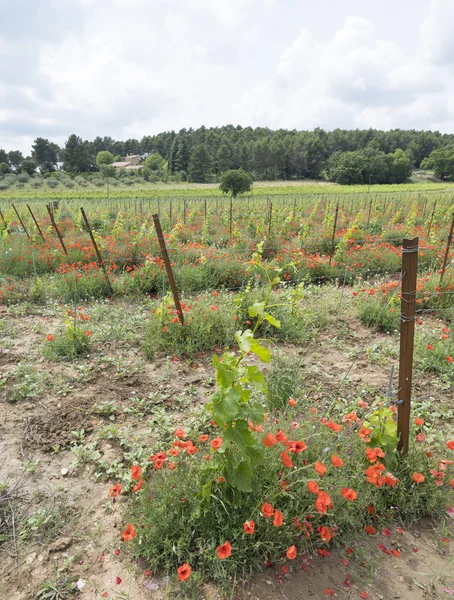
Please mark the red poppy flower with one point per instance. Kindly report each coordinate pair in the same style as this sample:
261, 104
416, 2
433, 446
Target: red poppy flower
363, 433
296, 447
291, 553
179, 433
118, 580
312, 486
129, 533
171, 465
287, 461
323, 502
292, 402
320, 468
337, 462
249, 527
216, 443
325, 534
173, 452
203, 438
50, 337
328, 591
138, 485
224, 551
450, 445
370, 530
281, 437
364, 595
184, 572
417, 477
396, 553
349, 494
450, 359
136, 472
191, 449
323, 553
429, 347
418, 422
269, 440
158, 463
278, 518
267, 510
115, 490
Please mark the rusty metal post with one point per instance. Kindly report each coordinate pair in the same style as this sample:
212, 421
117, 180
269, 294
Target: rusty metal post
168, 266
432, 217
231, 214
407, 338
54, 225
4, 223
334, 233
170, 214
21, 222
368, 216
448, 246
270, 218
95, 246
36, 223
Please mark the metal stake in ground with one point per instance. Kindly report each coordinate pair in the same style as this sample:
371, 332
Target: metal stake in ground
448, 245
168, 266
270, 218
54, 225
231, 214
334, 233
432, 217
407, 338
98, 253
36, 222
21, 222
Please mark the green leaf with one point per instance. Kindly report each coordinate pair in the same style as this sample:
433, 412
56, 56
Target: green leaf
256, 413
255, 455
224, 375
244, 477
258, 308
256, 377
260, 351
231, 403
244, 340
272, 320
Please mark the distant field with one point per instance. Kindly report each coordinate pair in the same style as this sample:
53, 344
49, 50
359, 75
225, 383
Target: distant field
265, 188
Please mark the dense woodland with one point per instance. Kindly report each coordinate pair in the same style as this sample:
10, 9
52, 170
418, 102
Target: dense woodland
201, 155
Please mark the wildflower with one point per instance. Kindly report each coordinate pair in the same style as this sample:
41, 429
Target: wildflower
323, 553
337, 462
50, 337
129, 533
184, 572
269, 440
418, 422
118, 580
115, 490
291, 553
328, 591
364, 595
88, 333
203, 438
373, 454
138, 485
370, 530
420, 437
450, 445
312, 486
363, 433
320, 468
224, 551
191, 449
171, 465
323, 502
417, 477
430, 347
179, 433
281, 437
278, 518
297, 447
173, 452
349, 494
325, 534
333, 426
220, 479
136, 472
450, 359
249, 527
386, 532
391, 480
216, 443
292, 402
287, 461
267, 510
158, 464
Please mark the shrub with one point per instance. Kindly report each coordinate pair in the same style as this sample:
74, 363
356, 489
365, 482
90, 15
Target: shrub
376, 309
23, 178
52, 183
72, 342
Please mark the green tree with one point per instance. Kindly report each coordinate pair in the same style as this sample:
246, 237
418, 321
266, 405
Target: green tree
154, 162
3, 156
76, 155
236, 181
4, 168
441, 161
28, 166
104, 157
400, 166
223, 158
200, 164
182, 155
45, 154
15, 158
107, 171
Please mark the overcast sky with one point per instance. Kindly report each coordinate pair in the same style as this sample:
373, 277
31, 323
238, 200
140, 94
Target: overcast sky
128, 68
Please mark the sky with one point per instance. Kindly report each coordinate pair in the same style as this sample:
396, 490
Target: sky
129, 68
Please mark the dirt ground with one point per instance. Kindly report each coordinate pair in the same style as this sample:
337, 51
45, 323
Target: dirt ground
44, 406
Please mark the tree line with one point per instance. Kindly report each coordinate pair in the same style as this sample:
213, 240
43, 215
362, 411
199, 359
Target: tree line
201, 155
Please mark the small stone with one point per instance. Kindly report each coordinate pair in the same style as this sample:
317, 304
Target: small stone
64, 471
269, 582
30, 558
60, 544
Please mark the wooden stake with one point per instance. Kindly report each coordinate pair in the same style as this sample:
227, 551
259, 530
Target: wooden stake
448, 245
98, 253
54, 225
36, 222
407, 338
334, 233
168, 266
4, 223
21, 222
